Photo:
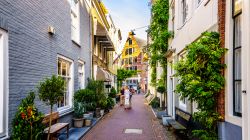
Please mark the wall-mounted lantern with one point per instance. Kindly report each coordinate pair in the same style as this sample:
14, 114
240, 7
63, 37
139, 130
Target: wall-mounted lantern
51, 30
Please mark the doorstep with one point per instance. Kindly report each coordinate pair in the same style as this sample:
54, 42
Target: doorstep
78, 133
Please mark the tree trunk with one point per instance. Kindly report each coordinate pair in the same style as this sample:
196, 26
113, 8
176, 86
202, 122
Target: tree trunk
49, 122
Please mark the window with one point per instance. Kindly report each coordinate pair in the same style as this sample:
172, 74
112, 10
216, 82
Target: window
74, 27
184, 10
135, 67
65, 70
3, 84
135, 60
237, 102
130, 51
126, 61
75, 35
130, 60
130, 41
126, 52
81, 75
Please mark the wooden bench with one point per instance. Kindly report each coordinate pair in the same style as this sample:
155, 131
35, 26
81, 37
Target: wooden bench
182, 120
55, 126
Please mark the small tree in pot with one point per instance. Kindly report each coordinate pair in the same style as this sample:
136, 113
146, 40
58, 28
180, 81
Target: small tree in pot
78, 114
50, 91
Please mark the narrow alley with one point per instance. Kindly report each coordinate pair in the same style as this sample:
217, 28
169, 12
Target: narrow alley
116, 125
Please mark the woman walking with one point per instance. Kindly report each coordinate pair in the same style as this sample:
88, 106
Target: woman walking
127, 98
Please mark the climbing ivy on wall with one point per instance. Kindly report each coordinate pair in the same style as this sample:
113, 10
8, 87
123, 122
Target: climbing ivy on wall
159, 34
201, 81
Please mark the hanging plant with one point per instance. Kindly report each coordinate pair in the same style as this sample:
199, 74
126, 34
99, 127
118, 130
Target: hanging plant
201, 81
159, 34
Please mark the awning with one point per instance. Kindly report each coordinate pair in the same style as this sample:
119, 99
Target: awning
102, 75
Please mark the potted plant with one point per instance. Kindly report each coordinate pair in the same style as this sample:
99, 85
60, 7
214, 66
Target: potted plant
98, 88
102, 103
50, 91
112, 94
27, 123
78, 114
110, 103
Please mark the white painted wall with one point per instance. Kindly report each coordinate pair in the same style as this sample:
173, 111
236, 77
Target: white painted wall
200, 18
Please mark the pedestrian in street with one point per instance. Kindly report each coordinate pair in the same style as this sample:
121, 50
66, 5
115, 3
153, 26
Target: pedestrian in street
127, 94
122, 97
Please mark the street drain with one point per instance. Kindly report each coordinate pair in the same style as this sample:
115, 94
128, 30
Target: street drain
133, 131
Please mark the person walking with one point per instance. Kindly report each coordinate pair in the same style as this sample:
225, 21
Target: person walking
127, 94
122, 98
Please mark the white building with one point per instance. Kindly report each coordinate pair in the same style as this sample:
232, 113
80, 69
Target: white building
188, 19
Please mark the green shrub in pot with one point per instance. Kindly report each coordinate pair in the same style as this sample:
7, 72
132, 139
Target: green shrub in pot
112, 93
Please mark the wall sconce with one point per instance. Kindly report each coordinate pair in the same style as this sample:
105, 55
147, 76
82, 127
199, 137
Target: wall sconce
51, 30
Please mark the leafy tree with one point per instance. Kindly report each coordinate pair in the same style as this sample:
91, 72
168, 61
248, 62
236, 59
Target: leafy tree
98, 88
123, 74
200, 80
50, 91
159, 34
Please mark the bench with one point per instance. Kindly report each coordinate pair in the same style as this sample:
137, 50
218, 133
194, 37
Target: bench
182, 120
55, 126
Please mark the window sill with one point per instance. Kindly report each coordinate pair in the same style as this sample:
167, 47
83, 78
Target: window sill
65, 110
4, 137
75, 42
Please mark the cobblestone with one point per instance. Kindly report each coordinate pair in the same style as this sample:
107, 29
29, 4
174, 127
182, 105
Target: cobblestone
113, 125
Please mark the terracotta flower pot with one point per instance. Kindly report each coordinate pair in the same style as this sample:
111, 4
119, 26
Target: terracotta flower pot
87, 122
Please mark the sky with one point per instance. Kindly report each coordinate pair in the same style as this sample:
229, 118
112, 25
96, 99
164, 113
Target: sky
128, 15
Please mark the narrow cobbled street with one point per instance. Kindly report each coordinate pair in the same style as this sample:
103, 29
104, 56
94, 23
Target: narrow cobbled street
140, 118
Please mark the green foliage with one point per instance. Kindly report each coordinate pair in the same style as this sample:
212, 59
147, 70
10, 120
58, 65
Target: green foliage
123, 74
27, 123
96, 86
84, 101
161, 89
159, 34
85, 96
51, 90
155, 103
102, 101
110, 103
78, 109
201, 80
112, 93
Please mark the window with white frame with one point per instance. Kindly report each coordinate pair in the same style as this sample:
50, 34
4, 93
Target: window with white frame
75, 36
81, 74
237, 35
184, 9
74, 27
3, 83
65, 70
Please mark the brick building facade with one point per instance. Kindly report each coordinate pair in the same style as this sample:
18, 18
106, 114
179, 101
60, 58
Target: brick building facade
32, 54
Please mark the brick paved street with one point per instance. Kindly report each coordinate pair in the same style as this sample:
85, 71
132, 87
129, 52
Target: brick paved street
113, 125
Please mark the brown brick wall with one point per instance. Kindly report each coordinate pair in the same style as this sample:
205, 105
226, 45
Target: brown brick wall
221, 23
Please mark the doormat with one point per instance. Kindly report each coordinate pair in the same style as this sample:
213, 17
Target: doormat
133, 131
